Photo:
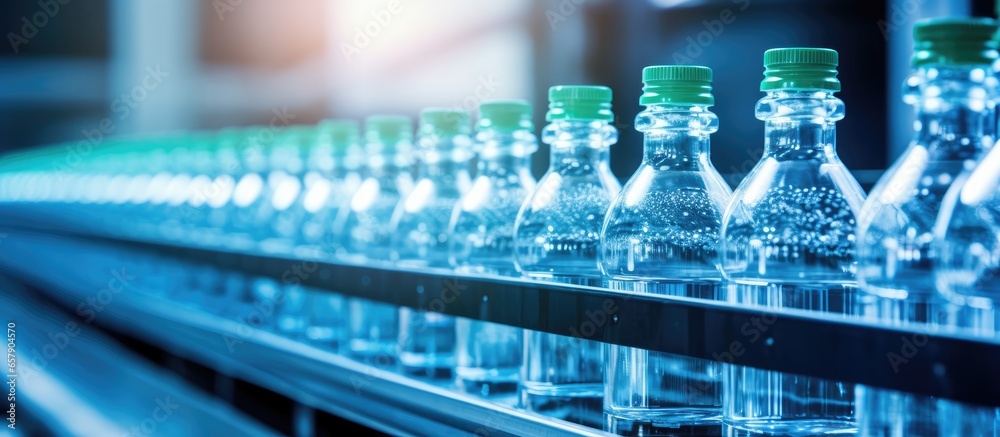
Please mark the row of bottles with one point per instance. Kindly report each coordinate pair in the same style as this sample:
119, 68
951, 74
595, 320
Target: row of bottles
796, 233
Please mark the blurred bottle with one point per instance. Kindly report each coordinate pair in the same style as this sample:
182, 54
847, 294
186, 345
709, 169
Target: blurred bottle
482, 241
420, 235
954, 90
291, 183
225, 156
788, 241
556, 238
364, 227
149, 215
202, 169
420, 220
968, 245
967, 273
250, 209
334, 173
364, 224
661, 236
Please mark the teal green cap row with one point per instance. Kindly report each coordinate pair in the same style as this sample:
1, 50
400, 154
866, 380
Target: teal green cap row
388, 128
579, 102
505, 115
339, 133
954, 41
444, 122
676, 85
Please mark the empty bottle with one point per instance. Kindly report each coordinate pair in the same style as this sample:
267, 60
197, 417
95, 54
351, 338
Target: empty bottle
556, 237
788, 240
488, 359
364, 227
661, 236
954, 90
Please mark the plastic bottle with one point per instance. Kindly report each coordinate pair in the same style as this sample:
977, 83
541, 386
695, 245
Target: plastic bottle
556, 237
482, 241
788, 241
661, 236
364, 226
335, 165
954, 91
420, 235
288, 181
250, 208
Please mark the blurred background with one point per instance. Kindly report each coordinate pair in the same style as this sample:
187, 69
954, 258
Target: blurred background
81, 70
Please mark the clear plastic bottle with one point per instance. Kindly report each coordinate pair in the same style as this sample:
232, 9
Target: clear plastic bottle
420, 234
250, 208
288, 183
332, 177
219, 193
661, 236
336, 166
954, 89
556, 237
488, 359
967, 241
788, 241
364, 227
967, 273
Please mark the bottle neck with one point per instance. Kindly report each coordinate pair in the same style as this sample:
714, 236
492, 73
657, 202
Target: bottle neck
505, 155
579, 146
444, 158
956, 110
800, 124
676, 137
388, 166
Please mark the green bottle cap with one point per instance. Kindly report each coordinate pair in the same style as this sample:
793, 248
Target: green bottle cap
800, 69
339, 133
444, 122
505, 116
677, 85
954, 41
388, 129
579, 102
